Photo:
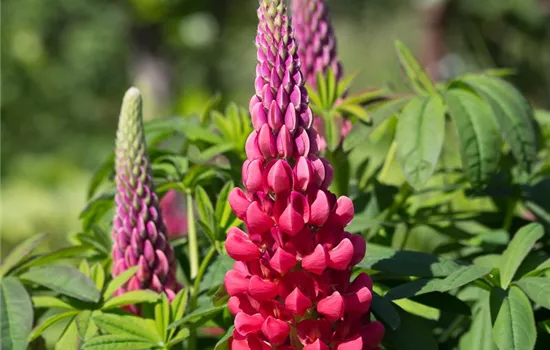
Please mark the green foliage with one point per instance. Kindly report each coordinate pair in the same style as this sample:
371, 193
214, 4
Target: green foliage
444, 180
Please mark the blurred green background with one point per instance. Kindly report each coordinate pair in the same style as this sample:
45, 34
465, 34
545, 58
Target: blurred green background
67, 63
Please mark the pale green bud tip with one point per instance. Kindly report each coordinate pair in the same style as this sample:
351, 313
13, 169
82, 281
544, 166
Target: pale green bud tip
131, 105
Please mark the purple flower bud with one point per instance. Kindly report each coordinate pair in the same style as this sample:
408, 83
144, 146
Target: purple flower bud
139, 233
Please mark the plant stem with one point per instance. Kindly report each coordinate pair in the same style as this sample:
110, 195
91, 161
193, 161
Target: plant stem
192, 235
202, 270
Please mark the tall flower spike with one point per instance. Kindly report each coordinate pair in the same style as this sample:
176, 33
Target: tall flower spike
290, 285
316, 40
317, 49
139, 233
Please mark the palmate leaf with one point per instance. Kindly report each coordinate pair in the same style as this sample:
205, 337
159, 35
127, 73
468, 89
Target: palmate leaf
20, 252
478, 135
136, 327
223, 343
419, 137
513, 320
458, 278
517, 250
479, 336
65, 280
50, 321
116, 342
513, 114
130, 298
16, 314
119, 281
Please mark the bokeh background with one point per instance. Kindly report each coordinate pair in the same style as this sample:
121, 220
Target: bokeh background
66, 64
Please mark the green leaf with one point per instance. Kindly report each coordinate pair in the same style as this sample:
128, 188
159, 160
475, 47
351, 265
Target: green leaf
443, 301
212, 103
536, 288
133, 326
198, 316
119, 281
116, 342
223, 209
97, 274
50, 321
514, 322
344, 84
178, 305
384, 310
419, 137
407, 263
20, 252
180, 336
106, 168
60, 254
85, 326
458, 278
215, 273
331, 86
517, 250
356, 111
413, 333
69, 339
162, 315
204, 207
68, 281
479, 336
419, 309
332, 132
513, 115
16, 314
50, 303
322, 89
130, 298
223, 343
420, 81
478, 135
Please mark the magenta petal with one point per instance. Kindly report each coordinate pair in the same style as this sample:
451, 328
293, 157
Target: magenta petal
235, 283
240, 247
257, 220
261, 289
297, 302
344, 210
317, 345
248, 324
238, 202
358, 303
303, 173
319, 208
282, 261
316, 262
276, 331
266, 142
332, 307
340, 256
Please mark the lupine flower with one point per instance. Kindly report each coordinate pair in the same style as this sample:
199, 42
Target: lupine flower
172, 207
139, 234
316, 49
290, 286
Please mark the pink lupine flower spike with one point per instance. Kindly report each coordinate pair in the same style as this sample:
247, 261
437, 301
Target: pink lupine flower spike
139, 233
290, 286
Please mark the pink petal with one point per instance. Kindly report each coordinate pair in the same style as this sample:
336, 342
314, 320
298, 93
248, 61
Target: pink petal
285, 143
332, 307
238, 202
359, 248
261, 289
257, 220
372, 334
266, 142
276, 331
254, 179
282, 261
279, 177
297, 302
316, 262
303, 173
317, 345
235, 283
240, 247
248, 324
251, 146
340, 256
353, 343
359, 302
344, 210
319, 208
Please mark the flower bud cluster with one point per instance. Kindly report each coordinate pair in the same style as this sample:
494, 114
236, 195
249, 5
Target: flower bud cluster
290, 286
139, 234
317, 50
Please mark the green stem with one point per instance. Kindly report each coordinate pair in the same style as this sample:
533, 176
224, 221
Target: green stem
202, 270
510, 211
192, 235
